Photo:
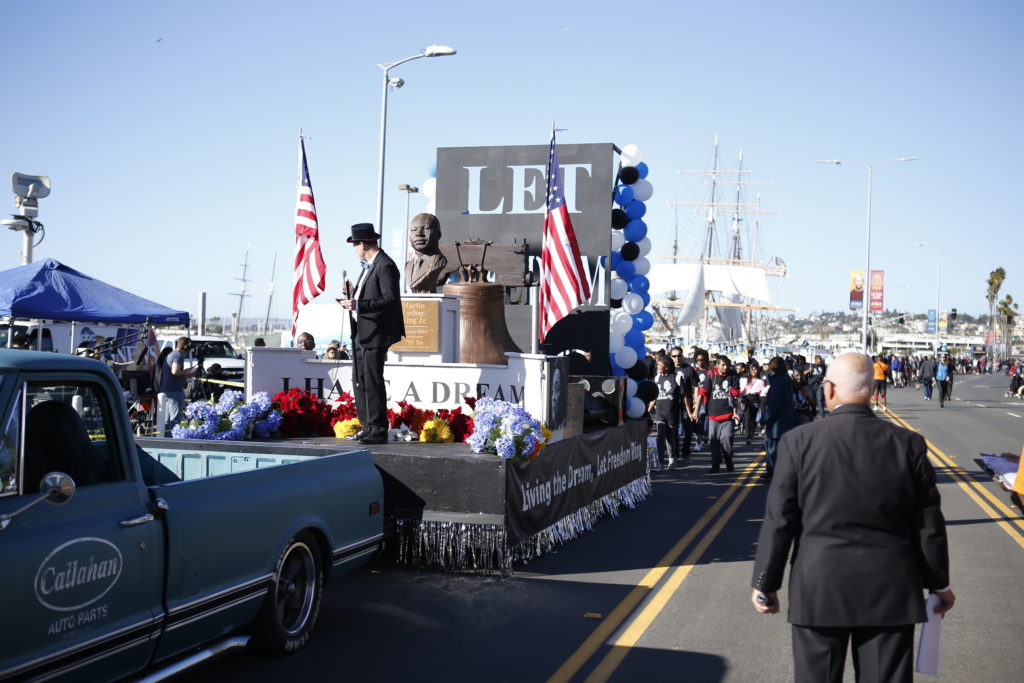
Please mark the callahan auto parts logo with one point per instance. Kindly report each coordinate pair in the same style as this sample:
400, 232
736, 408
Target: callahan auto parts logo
77, 574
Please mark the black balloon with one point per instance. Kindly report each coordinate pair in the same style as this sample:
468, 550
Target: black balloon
638, 372
616, 303
647, 391
630, 251
629, 175
619, 219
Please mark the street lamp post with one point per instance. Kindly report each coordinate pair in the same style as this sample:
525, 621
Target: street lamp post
429, 51
938, 283
409, 190
867, 247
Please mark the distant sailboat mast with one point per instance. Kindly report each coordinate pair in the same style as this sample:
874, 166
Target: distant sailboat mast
270, 296
241, 295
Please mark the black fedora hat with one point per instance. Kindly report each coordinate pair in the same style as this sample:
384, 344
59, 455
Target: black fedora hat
363, 232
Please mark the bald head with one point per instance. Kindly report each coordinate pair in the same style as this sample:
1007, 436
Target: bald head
849, 380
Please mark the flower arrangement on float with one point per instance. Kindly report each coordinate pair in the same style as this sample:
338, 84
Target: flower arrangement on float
444, 425
507, 430
230, 418
498, 427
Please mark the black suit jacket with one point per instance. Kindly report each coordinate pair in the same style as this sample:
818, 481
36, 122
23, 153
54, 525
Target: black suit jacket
855, 497
379, 320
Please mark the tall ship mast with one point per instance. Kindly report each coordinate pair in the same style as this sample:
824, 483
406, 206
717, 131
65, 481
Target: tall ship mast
727, 282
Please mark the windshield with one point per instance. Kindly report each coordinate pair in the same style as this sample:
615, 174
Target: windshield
213, 349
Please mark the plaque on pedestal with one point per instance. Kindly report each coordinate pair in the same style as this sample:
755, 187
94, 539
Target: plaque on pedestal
431, 329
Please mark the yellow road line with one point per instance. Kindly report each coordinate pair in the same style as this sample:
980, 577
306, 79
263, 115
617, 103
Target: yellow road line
1004, 517
952, 464
622, 611
620, 648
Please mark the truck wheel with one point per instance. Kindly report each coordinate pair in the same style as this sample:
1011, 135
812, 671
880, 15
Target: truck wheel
292, 606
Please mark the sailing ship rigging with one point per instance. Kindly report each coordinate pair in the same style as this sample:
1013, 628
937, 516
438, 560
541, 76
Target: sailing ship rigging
726, 286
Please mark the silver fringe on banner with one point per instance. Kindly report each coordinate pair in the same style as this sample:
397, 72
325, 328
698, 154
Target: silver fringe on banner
485, 548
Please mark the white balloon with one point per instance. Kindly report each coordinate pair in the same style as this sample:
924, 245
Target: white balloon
630, 387
631, 155
432, 206
622, 322
618, 287
645, 246
632, 304
636, 408
618, 239
615, 341
642, 190
429, 187
626, 357
642, 265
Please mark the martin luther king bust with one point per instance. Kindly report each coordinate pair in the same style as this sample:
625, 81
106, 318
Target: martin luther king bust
426, 271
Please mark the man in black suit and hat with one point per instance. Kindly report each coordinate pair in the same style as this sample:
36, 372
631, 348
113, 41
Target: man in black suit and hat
377, 308
855, 497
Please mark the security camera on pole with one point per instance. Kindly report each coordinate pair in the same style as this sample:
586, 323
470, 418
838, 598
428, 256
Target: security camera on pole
28, 190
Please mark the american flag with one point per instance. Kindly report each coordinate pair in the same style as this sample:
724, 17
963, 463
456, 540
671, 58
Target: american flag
310, 269
563, 282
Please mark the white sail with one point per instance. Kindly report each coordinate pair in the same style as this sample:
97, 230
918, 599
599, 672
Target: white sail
693, 309
733, 280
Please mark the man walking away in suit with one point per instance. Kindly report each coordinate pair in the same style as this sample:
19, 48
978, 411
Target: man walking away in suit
377, 306
855, 496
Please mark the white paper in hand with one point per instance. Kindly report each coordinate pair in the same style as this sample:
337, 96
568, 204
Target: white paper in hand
928, 646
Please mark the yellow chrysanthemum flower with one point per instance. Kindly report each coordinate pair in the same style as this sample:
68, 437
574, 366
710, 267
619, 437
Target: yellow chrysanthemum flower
346, 427
436, 431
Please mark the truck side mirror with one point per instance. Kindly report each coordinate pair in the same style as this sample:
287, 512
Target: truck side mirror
57, 487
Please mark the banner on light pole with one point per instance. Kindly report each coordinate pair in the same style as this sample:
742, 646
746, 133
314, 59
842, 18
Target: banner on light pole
877, 291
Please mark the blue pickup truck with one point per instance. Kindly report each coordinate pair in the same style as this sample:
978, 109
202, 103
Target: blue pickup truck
126, 557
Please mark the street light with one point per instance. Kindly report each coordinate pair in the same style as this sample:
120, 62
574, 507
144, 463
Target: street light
409, 190
867, 248
938, 280
429, 51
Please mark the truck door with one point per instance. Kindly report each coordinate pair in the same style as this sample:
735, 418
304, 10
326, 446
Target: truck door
83, 581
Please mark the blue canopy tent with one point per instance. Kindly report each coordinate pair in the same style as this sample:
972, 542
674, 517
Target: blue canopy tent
49, 290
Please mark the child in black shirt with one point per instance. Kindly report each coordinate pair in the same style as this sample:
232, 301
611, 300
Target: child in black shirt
665, 409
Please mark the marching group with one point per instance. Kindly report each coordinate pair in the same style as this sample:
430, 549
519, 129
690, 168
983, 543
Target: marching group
704, 400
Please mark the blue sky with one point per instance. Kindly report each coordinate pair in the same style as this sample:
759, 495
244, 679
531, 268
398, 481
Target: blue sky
169, 129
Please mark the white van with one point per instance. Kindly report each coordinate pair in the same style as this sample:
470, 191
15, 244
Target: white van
212, 350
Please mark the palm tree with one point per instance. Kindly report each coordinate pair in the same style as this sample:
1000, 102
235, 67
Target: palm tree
995, 282
1008, 318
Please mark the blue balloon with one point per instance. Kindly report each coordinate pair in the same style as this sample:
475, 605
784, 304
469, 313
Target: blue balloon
634, 338
635, 230
642, 168
433, 171
644, 320
645, 296
616, 370
616, 259
604, 261
639, 284
623, 195
635, 209
626, 270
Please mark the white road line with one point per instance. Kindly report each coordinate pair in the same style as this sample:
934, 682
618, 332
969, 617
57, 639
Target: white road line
980, 405
1014, 414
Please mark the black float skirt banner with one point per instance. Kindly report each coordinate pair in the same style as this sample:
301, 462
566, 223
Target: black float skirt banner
571, 474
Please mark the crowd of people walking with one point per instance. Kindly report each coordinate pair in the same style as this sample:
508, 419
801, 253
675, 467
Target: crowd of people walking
707, 401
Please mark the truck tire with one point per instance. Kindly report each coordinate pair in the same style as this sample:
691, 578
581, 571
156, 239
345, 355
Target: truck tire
292, 606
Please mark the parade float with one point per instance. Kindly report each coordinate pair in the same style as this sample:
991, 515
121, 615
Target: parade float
564, 442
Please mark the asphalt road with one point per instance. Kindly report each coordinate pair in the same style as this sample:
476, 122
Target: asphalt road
661, 593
